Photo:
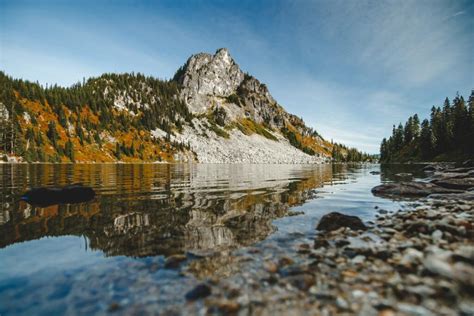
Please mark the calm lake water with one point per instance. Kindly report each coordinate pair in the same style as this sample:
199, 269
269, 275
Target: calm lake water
81, 258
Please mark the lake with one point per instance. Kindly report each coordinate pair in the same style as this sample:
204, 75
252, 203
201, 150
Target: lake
114, 250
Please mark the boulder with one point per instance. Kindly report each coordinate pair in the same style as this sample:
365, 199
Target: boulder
173, 262
200, 291
335, 220
412, 189
465, 196
459, 183
70, 194
460, 170
432, 168
301, 281
404, 175
468, 163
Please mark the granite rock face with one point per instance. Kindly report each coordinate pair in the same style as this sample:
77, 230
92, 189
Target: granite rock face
206, 75
237, 119
3, 112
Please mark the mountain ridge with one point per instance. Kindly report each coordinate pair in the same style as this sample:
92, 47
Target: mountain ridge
210, 111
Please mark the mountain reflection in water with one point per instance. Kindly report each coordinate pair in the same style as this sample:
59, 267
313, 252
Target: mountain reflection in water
153, 209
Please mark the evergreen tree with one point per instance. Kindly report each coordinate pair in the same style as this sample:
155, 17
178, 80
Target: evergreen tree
398, 137
384, 150
416, 126
470, 134
460, 119
426, 140
69, 150
118, 151
448, 133
53, 134
408, 131
62, 117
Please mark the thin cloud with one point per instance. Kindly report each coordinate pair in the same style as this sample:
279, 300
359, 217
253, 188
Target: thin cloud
457, 13
402, 41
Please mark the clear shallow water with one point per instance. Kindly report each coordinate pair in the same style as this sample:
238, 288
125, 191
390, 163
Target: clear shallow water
81, 258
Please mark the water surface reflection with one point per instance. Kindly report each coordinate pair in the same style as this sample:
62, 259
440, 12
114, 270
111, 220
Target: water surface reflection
150, 209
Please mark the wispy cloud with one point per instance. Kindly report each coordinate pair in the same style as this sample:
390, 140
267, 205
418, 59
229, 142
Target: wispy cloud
404, 42
457, 13
351, 115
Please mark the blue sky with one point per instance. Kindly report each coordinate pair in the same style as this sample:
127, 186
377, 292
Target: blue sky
350, 68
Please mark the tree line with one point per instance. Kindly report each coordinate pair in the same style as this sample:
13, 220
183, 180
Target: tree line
148, 103
448, 135
342, 153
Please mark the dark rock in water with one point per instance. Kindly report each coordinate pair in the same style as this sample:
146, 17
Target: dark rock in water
301, 281
404, 175
173, 262
410, 189
293, 269
382, 254
465, 170
468, 163
417, 227
459, 183
113, 307
200, 291
341, 243
374, 172
75, 193
319, 243
224, 307
467, 196
335, 220
432, 168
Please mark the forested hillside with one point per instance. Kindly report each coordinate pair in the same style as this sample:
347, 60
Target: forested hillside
448, 135
210, 111
102, 119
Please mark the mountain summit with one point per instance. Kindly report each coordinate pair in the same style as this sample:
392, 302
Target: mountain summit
206, 75
211, 111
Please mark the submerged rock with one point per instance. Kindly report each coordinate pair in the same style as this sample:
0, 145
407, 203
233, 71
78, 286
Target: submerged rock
75, 193
301, 281
466, 196
224, 307
335, 220
468, 163
200, 291
456, 183
172, 262
404, 175
429, 168
410, 189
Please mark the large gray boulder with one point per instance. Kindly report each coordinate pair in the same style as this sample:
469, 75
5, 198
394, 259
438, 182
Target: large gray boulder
410, 189
456, 178
456, 183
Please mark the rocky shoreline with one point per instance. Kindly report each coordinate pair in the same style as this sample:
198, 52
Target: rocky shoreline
419, 261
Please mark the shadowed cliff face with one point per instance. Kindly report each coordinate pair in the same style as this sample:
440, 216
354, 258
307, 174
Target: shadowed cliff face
145, 210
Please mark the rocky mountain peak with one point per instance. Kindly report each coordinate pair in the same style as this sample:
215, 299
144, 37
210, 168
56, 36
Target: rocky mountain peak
205, 75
